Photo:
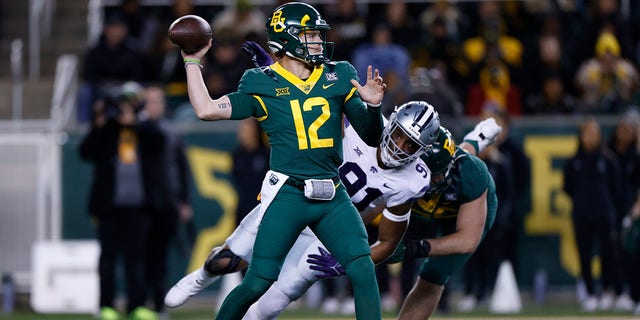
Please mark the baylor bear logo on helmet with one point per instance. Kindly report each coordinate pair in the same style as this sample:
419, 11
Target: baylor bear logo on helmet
277, 22
449, 146
287, 29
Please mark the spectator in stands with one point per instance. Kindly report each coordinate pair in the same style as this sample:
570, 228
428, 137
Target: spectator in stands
391, 59
623, 143
402, 25
142, 26
163, 65
241, 21
631, 237
452, 18
607, 82
123, 152
110, 62
548, 62
179, 8
604, 16
169, 194
552, 99
518, 19
492, 42
348, 27
441, 50
592, 180
494, 90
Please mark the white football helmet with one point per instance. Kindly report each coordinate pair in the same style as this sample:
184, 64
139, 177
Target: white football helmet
418, 121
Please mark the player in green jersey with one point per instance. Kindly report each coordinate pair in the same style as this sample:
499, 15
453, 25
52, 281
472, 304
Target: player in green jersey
448, 222
299, 101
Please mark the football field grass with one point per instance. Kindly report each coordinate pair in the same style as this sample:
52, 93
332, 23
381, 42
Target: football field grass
202, 315
566, 312
557, 306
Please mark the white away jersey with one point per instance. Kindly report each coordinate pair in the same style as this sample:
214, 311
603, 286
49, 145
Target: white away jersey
369, 185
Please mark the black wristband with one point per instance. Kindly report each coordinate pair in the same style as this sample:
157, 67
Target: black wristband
417, 248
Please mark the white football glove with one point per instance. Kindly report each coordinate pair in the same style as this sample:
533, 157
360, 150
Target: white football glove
484, 134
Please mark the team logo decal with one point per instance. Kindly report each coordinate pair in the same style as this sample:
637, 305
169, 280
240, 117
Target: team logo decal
326, 86
273, 179
331, 76
277, 22
449, 146
451, 196
282, 91
304, 20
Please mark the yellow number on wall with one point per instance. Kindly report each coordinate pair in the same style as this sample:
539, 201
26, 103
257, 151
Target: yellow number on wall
204, 164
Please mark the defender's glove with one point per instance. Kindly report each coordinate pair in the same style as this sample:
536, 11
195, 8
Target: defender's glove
484, 134
326, 264
417, 248
257, 54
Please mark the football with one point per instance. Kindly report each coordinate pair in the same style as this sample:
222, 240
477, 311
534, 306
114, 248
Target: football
190, 33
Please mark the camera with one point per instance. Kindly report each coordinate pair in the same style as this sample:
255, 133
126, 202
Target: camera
114, 96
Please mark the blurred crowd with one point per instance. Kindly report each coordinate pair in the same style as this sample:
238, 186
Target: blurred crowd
486, 58
523, 57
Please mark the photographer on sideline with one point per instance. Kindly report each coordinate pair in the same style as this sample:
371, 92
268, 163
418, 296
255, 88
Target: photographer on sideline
122, 149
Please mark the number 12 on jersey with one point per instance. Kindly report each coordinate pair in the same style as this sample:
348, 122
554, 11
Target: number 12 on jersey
312, 131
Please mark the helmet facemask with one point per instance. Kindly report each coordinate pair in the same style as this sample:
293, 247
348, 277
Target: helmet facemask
443, 182
416, 125
391, 154
302, 51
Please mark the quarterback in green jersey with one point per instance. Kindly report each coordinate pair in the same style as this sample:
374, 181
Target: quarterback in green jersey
300, 101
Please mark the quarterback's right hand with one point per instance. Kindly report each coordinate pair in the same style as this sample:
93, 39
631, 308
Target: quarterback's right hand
197, 55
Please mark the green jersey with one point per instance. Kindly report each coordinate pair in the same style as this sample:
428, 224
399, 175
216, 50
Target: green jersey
470, 178
436, 213
303, 118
